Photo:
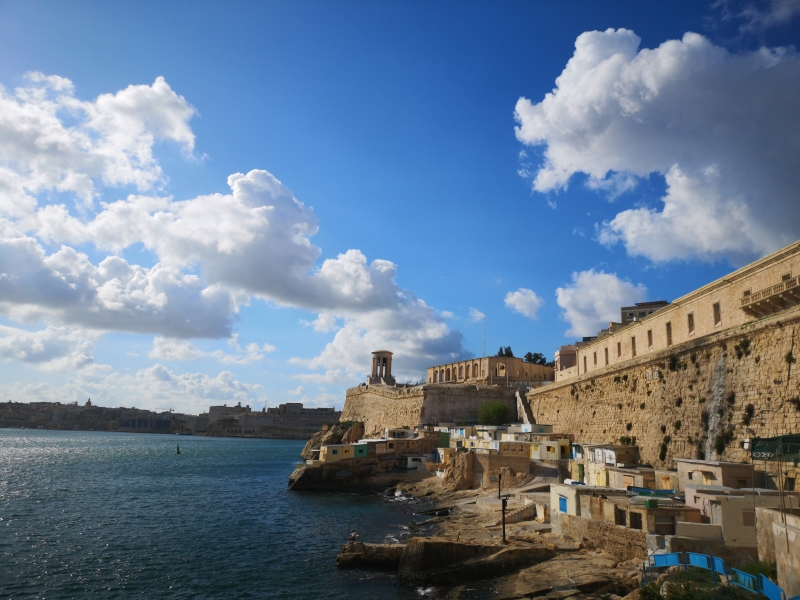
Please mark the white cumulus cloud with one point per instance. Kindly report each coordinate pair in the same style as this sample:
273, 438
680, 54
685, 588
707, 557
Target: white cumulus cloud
524, 301
718, 126
184, 350
593, 300
211, 254
51, 349
475, 315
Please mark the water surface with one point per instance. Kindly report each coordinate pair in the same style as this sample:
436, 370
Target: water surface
115, 515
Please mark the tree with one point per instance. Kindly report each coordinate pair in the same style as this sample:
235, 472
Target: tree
501, 352
509, 353
537, 358
493, 413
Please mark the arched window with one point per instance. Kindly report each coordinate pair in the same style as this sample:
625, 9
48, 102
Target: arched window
468, 371
475, 372
461, 372
447, 375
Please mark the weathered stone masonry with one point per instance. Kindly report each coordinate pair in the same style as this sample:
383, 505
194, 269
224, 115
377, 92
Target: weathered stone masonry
381, 406
690, 399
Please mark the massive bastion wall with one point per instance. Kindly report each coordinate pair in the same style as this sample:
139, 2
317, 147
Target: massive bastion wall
379, 406
695, 400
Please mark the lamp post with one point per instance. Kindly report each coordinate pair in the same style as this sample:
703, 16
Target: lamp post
503, 504
499, 479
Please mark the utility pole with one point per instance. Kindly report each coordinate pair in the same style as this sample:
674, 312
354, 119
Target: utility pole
484, 336
499, 479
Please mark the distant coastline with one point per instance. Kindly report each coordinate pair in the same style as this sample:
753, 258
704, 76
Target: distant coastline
291, 421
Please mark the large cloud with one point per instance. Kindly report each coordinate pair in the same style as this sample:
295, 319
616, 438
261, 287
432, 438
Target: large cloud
185, 351
51, 349
720, 127
212, 253
109, 140
593, 300
65, 287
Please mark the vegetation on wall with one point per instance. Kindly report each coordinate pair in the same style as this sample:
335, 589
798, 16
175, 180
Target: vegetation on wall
493, 413
742, 348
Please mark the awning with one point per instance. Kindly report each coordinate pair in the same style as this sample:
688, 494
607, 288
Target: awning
783, 447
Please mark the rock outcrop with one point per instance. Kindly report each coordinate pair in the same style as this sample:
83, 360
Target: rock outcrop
443, 560
459, 471
370, 556
345, 432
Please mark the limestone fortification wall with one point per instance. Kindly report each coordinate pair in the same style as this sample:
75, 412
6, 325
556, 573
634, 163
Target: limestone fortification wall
379, 407
382, 406
692, 399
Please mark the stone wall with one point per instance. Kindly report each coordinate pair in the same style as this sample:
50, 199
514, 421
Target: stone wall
624, 543
765, 517
689, 400
487, 466
694, 315
384, 406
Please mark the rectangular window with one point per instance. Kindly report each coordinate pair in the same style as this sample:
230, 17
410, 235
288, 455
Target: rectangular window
636, 520
717, 314
786, 277
748, 518
619, 349
649, 338
669, 334
606, 351
633, 347
595, 359
746, 293
584, 365
336, 452
562, 504
690, 319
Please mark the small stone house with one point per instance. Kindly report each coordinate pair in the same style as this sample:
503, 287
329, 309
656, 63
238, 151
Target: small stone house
734, 511
565, 499
634, 514
714, 472
630, 477
337, 452
550, 449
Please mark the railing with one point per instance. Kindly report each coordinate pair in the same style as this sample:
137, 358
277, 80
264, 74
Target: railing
751, 583
770, 291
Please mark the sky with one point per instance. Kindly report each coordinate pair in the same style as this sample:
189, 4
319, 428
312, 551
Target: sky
207, 202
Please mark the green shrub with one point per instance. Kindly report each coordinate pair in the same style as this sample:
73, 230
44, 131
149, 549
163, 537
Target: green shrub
757, 567
493, 413
662, 454
749, 411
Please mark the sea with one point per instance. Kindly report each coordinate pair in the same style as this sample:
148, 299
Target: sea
118, 515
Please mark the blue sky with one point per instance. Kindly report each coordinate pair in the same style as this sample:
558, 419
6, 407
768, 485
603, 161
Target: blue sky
649, 159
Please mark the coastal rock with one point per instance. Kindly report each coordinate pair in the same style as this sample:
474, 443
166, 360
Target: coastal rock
339, 433
459, 471
443, 560
594, 573
370, 556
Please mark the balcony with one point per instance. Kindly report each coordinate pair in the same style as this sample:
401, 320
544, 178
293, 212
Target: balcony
772, 299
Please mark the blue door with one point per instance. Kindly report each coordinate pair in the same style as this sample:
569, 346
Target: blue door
562, 504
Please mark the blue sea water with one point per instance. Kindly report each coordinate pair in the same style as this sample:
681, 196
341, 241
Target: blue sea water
115, 515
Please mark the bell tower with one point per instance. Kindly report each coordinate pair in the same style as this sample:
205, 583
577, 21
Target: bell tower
381, 368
